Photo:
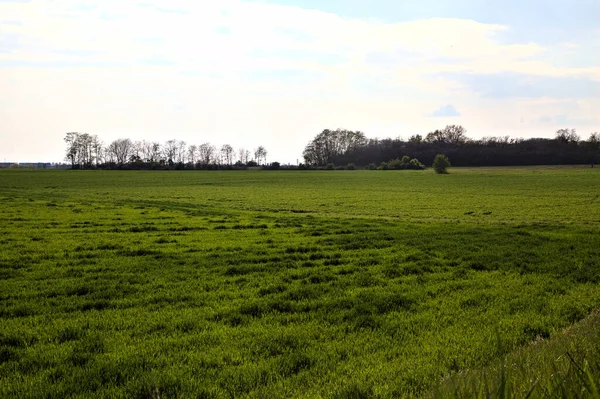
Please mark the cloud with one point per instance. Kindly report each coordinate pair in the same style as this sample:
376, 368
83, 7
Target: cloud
229, 32
249, 72
567, 120
446, 111
233, 38
517, 85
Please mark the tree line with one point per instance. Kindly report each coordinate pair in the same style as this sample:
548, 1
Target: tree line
87, 151
342, 147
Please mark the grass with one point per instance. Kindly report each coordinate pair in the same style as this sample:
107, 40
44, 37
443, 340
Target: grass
565, 366
333, 284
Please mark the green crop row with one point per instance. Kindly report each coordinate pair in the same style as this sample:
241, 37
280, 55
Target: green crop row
349, 284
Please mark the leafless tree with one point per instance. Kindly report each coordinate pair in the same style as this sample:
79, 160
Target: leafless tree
192, 153
146, 151
137, 151
170, 151
227, 154
567, 136
109, 156
72, 149
120, 150
97, 150
206, 153
455, 134
260, 154
180, 153
452, 134
243, 155
82, 149
156, 154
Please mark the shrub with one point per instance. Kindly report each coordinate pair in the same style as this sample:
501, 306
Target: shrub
330, 166
371, 166
441, 163
384, 166
395, 164
351, 166
415, 164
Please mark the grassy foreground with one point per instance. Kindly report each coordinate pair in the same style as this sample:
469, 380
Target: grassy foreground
345, 284
564, 366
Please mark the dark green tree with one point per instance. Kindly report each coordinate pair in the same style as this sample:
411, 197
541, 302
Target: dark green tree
441, 163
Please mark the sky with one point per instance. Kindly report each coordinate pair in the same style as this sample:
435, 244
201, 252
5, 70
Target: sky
276, 73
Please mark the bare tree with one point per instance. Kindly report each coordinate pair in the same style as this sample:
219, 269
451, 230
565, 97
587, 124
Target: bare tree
452, 134
257, 155
85, 150
146, 151
81, 149
436, 136
97, 150
137, 151
191, 154
181, 152
227, 154
120, 150
72, 148
455, 134
260, 154
109, 156
156, 152
264, 154
242, 155
170, 151
206, 153
567, 136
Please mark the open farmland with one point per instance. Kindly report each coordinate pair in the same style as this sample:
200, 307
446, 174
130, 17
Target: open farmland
342, 284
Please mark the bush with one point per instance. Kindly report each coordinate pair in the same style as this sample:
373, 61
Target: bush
396, 164
351, 166
400, 164
415, 164
441, 163
371, 166
330, 166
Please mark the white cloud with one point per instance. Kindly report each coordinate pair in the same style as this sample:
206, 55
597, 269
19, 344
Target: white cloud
96, 65
125, 31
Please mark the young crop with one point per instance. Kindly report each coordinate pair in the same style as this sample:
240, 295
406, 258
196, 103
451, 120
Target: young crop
298, 284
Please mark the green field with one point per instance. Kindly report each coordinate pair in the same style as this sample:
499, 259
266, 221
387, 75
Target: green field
332, 284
